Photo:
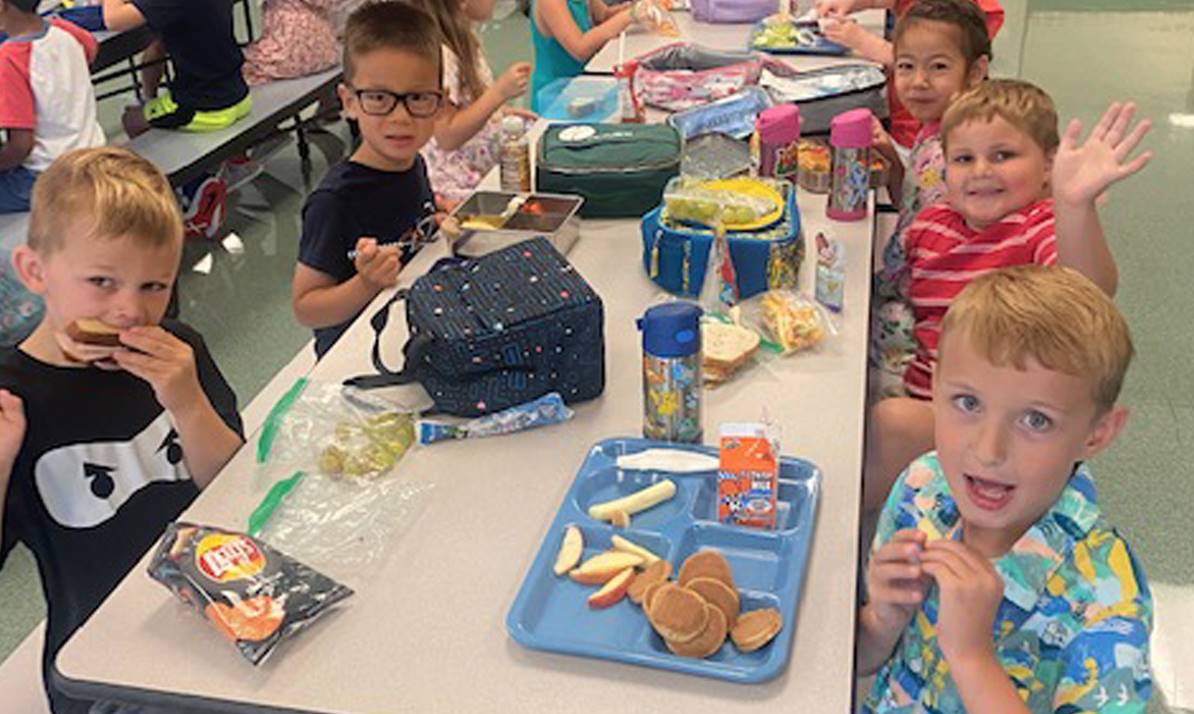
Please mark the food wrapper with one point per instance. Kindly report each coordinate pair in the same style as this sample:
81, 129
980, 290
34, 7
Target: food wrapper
787, 321
249, 592
546, 410
654, 15
831, 272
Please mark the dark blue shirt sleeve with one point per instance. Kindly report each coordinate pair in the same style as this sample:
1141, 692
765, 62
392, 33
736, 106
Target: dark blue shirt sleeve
323, 246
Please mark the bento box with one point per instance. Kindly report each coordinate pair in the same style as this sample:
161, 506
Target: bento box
489, 220
551, 612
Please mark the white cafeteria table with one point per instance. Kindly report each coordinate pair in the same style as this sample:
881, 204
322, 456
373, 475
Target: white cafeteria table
426, 631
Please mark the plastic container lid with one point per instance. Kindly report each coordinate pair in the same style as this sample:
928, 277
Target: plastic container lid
780, 124
672, 329
851, 129
513, 125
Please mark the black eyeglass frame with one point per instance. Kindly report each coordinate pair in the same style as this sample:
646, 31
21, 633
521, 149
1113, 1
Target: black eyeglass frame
405, 98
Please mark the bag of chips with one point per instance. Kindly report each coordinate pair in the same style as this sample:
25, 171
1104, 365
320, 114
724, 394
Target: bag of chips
251, 593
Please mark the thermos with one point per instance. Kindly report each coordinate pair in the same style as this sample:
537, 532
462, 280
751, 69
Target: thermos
672, 372
778, 129
850, 139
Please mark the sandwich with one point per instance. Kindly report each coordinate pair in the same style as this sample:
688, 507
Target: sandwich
93, 332
725, 348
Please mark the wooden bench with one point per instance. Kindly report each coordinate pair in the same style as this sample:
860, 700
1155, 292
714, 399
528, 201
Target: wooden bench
185, 156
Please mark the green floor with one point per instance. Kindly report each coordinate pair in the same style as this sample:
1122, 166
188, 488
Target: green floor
1085, 53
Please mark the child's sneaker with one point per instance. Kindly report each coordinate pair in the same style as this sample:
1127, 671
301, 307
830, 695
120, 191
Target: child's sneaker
203, 203
239, 171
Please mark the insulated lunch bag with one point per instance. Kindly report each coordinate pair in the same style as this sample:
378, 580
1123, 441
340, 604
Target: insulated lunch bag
683, 75
620, 169
497, 331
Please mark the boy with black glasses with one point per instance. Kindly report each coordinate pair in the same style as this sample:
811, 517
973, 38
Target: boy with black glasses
371, 211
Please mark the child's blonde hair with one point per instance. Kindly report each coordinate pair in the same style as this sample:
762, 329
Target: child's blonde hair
1021, 104
1052, 315
116, 191
456, 31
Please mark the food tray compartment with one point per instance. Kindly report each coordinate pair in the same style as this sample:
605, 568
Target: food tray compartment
552, 613
792, 38
554, 216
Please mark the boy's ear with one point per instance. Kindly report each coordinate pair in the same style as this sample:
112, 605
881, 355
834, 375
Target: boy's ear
1105, 431
346, 96
30, 269
978, 71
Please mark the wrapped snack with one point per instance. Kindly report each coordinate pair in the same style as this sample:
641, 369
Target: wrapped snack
546, 410
831, 272
369, 448
787, 320
725, 348
252, 594
654, 15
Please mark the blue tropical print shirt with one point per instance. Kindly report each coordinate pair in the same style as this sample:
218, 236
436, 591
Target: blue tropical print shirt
1072, 630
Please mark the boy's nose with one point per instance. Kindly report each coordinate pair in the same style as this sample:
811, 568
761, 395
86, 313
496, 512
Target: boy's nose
990, 448
128, 309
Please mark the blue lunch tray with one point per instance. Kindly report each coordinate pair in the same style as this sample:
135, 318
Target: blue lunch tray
552, 613
819, 46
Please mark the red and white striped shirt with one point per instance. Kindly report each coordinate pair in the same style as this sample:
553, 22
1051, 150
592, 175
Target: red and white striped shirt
944, 255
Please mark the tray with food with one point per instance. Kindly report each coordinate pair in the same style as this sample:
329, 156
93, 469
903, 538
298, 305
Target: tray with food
637, 568
790, 36
488, 220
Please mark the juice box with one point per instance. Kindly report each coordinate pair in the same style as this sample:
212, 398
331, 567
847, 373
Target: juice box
748, 474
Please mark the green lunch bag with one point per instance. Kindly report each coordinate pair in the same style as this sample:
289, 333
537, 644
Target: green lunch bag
620, 169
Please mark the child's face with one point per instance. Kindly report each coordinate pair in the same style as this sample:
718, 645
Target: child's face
930, 69
1008, 439
391, 141
993, 170
479, 10
119, 281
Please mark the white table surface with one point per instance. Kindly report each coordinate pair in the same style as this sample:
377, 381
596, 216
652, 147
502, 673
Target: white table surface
426, 632
733, 37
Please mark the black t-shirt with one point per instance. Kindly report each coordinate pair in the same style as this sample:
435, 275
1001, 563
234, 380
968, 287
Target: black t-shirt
207, 61
355, 201
99, 475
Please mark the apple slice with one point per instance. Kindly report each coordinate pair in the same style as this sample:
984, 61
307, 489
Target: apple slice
626, 546
570, 550
603, 567
612, 591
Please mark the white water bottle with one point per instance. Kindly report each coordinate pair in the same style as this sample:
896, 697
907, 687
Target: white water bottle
515, 166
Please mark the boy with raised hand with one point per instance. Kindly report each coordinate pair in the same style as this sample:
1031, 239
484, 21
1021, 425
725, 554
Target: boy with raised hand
372, 210
995, 584
47, 101
1017, 193
102, 445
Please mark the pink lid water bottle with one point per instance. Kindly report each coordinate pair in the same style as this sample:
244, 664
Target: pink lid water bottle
850, 137
779, 136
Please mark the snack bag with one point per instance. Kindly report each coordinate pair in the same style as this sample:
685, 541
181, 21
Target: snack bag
251, 593
748, 474
831, 272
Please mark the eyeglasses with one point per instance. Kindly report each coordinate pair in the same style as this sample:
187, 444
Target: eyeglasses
380, 102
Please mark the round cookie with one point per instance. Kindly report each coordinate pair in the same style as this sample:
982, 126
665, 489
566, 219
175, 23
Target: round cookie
706, 564
649, 594
656, 572
756, 628
719, 595
678, 614
708, 642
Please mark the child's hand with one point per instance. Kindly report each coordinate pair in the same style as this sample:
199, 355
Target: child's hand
881, 141
514, 81
165, 362
839, 8
971, 591
378, 265
847, 33
525, 114
1081, 172
12, 430
895, 580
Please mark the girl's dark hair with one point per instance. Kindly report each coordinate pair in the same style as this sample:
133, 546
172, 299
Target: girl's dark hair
965, 15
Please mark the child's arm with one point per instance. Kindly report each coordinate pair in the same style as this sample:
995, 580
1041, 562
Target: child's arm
16, 148
12, 433
865, 44
582, 46
896, 590
1080, 174
970, 591
121, 15
827, 8
319, 301
460, 124
168, 365
895, 167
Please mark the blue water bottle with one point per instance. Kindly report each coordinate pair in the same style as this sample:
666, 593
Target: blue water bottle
672, 372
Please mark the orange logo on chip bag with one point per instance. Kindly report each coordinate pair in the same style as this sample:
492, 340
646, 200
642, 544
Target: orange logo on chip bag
226, 557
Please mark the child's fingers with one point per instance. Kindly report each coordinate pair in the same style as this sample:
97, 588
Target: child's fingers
1134, 165
11, 405
1120, 125
1125, 147
1105, 122
1072, 134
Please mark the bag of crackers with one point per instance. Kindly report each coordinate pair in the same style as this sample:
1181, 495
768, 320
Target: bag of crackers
249, 592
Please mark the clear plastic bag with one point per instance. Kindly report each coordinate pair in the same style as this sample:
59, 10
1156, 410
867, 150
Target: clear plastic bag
698, 201
785, 319
337, 502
